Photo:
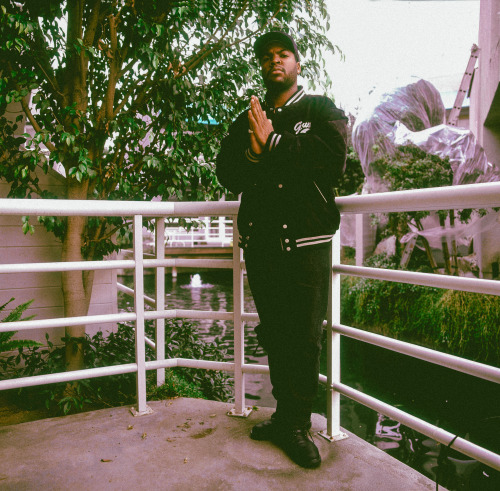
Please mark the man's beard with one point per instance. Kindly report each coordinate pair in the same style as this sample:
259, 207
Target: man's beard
277, 87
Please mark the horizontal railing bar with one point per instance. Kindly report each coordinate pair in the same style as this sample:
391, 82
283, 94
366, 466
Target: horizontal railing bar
165, 363
128, 368
128, 291
52, 378
189, 263
476, 285
484, 195
149, 342
250, 317
121, 369
108, 208
251, 368
206, 364
438, 434
66, 266
113, 264
67, 321
188, 314
486, 372
122, 317
187, 363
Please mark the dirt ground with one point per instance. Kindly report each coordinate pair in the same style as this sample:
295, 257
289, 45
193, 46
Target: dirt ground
10, 414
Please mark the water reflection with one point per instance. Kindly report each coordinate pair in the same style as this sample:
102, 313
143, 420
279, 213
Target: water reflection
459, 403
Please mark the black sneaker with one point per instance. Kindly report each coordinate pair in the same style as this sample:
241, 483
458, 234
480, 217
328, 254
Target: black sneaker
263, 431
298, 444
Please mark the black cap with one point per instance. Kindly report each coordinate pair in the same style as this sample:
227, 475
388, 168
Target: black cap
277, 36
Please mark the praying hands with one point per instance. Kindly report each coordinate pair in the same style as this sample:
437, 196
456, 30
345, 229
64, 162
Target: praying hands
260, 127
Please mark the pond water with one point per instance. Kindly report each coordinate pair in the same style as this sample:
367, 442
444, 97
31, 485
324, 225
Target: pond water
456, 402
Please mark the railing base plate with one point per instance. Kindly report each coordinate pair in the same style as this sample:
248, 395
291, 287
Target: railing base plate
246, 412
333, 438
135, 412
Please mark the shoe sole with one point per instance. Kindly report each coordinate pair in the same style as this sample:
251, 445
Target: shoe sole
261, 438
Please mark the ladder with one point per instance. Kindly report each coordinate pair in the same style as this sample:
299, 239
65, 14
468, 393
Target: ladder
464, 86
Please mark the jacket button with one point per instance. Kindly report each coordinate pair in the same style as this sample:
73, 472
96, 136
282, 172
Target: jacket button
280, 185
288, 249
248, 237
285, 226
250, 224
287, 240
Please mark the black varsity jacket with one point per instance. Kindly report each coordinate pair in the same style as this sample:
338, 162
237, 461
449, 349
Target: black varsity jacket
288, 199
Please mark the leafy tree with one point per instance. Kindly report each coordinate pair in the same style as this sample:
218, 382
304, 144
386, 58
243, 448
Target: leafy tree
130, 98
412, 168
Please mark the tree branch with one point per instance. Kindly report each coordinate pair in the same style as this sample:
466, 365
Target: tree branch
89, 36
194, 61
40, 48
34, 122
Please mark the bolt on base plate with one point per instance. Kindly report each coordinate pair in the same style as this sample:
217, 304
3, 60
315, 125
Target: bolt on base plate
244, 414
333, 438
134, 411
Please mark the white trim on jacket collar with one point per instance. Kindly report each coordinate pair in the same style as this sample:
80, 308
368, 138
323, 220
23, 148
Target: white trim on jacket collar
295, 97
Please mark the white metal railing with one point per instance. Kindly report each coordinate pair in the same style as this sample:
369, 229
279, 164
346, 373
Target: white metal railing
457, 197
212, 233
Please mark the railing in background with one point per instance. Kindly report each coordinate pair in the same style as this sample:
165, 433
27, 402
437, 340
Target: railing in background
458, 197
210, 233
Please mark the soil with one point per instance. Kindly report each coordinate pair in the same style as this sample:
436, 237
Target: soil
10, 414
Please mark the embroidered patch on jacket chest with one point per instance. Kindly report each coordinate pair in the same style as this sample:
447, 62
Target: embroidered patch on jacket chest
301, 127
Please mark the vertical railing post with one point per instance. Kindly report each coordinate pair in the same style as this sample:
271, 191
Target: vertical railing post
239, 332
160, 297
333, 432
140, 345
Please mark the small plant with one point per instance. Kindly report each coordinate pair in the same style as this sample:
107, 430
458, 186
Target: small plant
6, 341
182, 341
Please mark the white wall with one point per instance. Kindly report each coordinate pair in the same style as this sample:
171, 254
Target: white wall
42, 246
485, 85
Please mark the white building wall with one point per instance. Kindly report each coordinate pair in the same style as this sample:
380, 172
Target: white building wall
485, 100
44, 288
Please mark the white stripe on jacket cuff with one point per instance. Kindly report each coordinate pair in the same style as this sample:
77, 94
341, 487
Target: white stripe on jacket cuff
275, 139
252, 156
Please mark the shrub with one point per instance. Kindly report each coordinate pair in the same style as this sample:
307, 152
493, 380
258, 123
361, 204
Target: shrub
471, 325
461, 323
182, 341
6, 341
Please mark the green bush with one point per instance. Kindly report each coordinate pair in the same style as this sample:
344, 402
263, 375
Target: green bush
182, 341
6, 341
471, 325
461, 323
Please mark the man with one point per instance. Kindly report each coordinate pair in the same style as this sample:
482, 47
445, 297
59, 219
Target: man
285, 156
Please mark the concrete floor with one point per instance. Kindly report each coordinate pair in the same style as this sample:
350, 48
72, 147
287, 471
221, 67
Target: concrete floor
185, 444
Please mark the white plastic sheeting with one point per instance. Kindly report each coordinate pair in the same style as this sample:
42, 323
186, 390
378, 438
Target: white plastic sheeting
467, 158
415, 114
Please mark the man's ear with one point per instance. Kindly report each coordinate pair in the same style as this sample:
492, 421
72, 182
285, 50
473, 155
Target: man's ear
299, 68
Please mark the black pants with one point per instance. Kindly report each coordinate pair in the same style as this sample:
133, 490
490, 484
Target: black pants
291, 294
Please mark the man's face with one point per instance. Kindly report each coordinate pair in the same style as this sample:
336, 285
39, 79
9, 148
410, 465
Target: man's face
279, 67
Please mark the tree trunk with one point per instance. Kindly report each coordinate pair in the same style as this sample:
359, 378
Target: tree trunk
76, 291
427, 248
444, 247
